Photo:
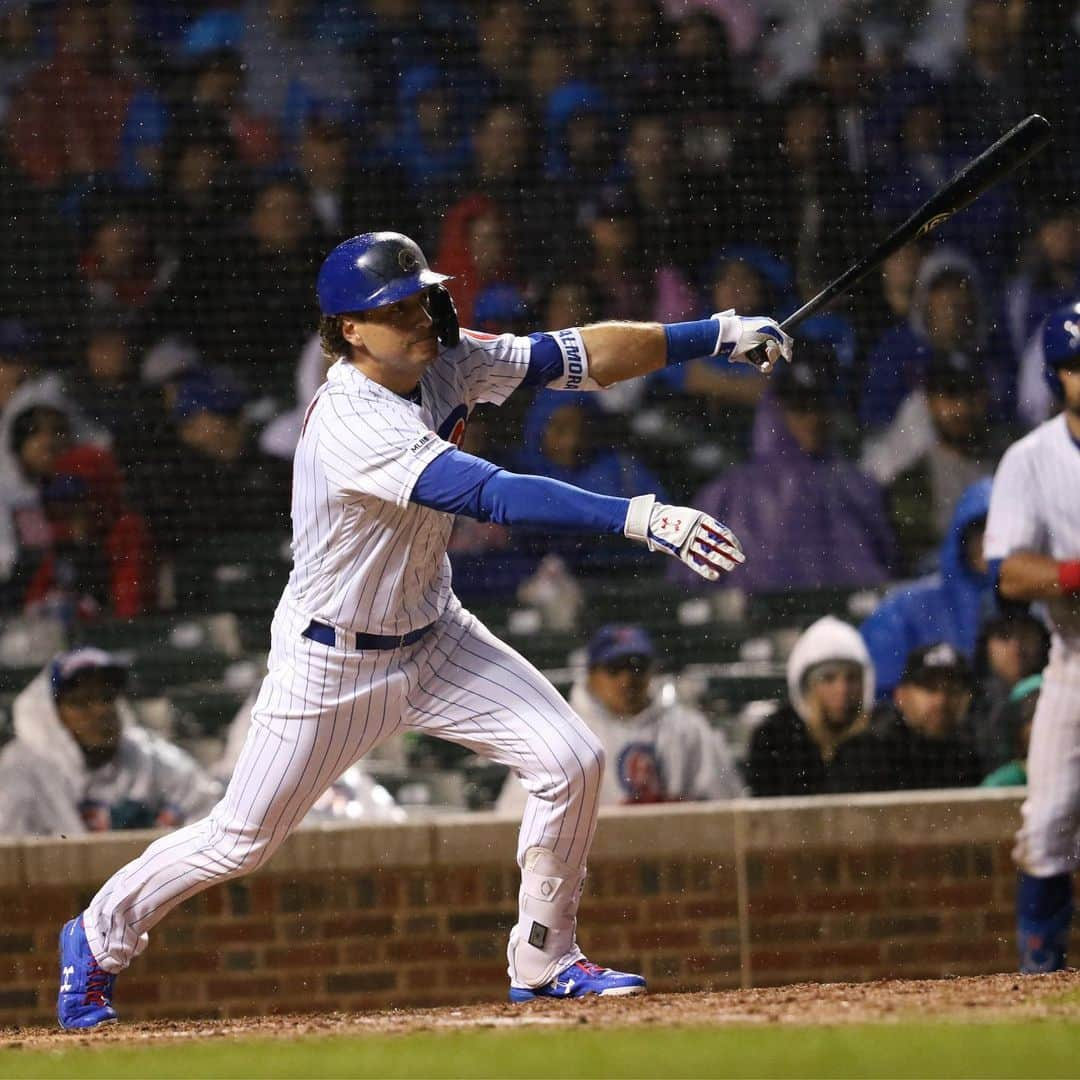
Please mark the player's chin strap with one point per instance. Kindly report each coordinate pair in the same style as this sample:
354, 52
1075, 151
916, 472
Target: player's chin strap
444, 316
544, 943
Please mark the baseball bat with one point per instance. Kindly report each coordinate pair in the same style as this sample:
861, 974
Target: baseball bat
992, 165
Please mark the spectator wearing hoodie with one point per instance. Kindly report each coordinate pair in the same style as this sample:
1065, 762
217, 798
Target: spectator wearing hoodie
798, 749
947, 316
796, 486
941, 442
80, 762
35, 434
657, 749
948, 605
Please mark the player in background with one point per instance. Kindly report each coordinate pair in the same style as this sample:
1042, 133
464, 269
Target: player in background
368, 637
1032, 545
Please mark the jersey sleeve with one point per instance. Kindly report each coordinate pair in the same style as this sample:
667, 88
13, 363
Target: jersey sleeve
1014, 522
494, 365
379, 452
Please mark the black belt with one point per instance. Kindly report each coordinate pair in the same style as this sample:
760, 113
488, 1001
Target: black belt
327, 635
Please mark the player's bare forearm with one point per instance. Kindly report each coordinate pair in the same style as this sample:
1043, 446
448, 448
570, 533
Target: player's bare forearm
1027, 575
624, 350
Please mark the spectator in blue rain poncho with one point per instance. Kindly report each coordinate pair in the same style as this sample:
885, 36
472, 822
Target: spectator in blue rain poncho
945, 606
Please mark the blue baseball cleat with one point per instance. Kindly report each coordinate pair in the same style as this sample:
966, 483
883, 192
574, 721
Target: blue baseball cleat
580, 979
85, 998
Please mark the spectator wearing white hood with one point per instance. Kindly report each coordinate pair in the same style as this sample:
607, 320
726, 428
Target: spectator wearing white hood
80, 762
798, 750
656, 750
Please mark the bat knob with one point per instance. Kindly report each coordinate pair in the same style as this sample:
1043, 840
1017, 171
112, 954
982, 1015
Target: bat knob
759, 357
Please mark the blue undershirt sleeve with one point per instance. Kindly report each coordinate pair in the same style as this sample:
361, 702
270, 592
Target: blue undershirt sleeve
459, 483
545, 361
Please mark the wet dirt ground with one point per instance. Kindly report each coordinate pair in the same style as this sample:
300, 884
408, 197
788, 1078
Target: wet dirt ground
982, 998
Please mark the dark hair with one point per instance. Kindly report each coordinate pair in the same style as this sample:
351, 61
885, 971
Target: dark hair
331, 337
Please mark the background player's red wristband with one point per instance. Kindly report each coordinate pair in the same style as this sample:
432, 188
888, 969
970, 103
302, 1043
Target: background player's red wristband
1069, 577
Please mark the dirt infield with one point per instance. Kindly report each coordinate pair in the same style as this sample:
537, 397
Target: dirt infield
984, 998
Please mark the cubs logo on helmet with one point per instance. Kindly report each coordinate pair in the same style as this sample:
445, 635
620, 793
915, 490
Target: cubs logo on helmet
372, 270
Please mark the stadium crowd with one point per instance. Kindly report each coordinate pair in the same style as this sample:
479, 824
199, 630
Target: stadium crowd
173, 172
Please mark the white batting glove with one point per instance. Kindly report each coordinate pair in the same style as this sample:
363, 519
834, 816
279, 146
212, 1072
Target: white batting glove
740, 334
688, 535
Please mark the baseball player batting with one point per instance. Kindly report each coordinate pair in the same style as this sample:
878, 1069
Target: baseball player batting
368, 639
1033, 543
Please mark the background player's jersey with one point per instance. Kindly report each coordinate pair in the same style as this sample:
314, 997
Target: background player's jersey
365, 557
1035, 506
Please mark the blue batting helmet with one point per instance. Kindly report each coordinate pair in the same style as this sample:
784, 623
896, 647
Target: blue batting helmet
372, 270
1060, 342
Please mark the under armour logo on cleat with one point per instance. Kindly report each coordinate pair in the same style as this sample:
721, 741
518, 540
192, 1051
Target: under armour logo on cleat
65, 986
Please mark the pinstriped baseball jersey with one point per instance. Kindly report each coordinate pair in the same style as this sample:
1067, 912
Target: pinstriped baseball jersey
364, 556
1035, 506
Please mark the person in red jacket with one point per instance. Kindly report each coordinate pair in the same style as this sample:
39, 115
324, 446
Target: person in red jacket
101, 559
66, 117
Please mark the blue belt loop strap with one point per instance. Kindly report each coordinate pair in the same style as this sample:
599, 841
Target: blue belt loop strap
327, 635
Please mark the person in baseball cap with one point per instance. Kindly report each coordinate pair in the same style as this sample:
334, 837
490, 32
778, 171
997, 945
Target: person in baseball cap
618, 646
919, 738
940, 666
657, 749
926, 723
86, 683
81, 762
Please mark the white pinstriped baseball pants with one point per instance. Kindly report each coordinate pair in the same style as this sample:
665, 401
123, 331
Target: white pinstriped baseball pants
1048, 842
319, 710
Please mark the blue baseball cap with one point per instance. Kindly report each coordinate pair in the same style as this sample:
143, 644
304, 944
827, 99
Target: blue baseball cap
67, 668
617, 641
205, 392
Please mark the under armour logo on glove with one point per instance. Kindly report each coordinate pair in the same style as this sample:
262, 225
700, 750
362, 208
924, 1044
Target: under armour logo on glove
691, 536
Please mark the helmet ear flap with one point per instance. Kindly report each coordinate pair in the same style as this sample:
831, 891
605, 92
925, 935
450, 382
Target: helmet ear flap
444, 316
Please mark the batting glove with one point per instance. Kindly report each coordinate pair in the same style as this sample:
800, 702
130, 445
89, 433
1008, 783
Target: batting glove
740, 334
688, 535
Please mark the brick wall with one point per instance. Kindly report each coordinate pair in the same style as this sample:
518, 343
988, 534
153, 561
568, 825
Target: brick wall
695, 896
